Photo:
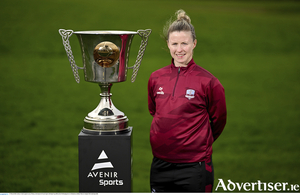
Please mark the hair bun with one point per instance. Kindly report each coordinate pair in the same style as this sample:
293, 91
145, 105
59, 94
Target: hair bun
181, 15
182, 23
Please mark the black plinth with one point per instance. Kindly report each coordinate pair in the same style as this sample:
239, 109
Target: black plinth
104, 162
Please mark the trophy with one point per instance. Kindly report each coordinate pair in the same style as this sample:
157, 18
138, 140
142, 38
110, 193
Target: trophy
105, 57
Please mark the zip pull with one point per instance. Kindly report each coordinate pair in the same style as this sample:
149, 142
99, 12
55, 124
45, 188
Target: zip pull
176, 81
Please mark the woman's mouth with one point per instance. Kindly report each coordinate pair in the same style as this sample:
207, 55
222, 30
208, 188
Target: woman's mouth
180, 55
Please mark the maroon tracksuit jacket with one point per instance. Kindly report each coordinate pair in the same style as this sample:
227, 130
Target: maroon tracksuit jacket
189, 113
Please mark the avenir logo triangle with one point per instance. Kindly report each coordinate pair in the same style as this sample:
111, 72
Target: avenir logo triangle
102, 155
103, 164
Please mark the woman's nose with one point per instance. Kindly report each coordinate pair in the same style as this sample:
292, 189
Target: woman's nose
179, 48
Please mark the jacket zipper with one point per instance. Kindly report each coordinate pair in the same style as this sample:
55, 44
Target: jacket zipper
176, 81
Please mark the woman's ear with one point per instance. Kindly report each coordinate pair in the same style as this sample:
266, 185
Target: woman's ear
195, 43
168, 43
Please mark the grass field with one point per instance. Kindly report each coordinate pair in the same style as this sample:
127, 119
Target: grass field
253, 47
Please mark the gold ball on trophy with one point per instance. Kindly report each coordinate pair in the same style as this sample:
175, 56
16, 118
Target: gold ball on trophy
106, 54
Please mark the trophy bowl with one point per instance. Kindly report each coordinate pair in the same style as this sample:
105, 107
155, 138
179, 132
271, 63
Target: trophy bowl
105, 57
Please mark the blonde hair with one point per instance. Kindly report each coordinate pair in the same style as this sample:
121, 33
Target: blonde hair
181, 23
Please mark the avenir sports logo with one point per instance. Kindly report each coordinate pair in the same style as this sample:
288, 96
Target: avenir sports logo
107, 178
102, 165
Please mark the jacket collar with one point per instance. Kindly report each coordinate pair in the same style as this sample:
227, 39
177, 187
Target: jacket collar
190, 65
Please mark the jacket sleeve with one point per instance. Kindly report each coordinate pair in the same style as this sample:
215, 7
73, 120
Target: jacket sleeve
216, 107
151, 98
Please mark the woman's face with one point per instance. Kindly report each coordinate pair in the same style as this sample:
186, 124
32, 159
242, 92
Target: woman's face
181, 47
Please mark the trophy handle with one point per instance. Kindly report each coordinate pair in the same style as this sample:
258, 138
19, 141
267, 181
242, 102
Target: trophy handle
65, 34
144, 34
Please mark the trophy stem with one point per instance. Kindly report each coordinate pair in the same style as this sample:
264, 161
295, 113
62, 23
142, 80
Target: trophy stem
106, 118
105, 99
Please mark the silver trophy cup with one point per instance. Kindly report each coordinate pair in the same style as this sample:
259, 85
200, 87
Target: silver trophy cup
105, 57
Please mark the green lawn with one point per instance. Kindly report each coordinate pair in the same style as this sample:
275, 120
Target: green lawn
253, 48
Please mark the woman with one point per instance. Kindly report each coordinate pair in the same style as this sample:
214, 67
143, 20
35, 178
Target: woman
189, 113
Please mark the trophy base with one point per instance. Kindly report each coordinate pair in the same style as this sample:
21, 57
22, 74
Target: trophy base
105, 126
106, 119
105, 132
